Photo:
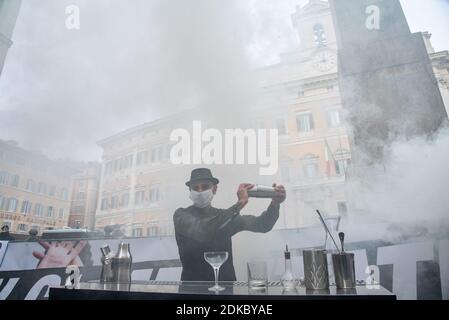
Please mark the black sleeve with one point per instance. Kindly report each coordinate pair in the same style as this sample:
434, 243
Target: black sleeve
261, 224
200, 229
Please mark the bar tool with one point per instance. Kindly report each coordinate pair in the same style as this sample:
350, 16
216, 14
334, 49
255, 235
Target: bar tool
327, 230
106, 261
259, 191
121, 264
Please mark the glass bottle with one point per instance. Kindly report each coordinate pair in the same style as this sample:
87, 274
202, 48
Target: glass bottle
288, 279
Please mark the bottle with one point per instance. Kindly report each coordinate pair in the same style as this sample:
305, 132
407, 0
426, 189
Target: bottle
288, 279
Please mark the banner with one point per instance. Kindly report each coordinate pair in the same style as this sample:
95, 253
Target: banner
3, 246
412, 270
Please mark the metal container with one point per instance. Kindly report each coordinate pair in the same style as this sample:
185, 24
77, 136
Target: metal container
259, 191
121, 264
344, 270
106, 260
316, 275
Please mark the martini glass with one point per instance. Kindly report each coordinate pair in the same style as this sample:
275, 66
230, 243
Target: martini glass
216, 259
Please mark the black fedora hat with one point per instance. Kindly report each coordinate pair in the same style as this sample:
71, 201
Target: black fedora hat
201, 174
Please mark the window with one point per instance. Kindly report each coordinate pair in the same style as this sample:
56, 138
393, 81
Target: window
125, 199
304, 122
38, 209
333, 118
52, 191
42, 188
129, 161
64, 194
115, 165
81, 196
11, 205
310, 166
26, 207
154, 194
140, 196
319, 35
156, 155
108, 169
311, 170
114, 202
104, 203
22, 227
61, 213
4, 177
142, 158
153, 230
50, 211
281, 126
30, 185
341, 166
137, 230
2, 202
15, 181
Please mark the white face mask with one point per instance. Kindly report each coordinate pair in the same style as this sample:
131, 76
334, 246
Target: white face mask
201, 199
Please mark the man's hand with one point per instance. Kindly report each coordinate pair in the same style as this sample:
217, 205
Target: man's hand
242, 194
280, 194
59, 255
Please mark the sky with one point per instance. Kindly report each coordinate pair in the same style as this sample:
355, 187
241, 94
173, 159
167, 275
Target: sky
131, 62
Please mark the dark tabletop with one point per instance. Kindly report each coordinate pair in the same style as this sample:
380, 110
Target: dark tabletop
159, 290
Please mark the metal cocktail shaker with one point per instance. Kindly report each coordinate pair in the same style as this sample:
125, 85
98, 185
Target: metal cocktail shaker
344, 270
121, 264
259, 191
316, 275
106, 261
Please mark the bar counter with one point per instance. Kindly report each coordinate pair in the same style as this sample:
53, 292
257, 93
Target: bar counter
160, 290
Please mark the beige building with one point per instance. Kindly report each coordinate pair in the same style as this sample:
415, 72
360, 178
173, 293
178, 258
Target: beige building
34, 191
9, 11
84, 196
139, 184
299, 96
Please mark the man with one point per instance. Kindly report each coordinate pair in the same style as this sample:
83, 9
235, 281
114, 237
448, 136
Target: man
201, 228
32, 235
5, 235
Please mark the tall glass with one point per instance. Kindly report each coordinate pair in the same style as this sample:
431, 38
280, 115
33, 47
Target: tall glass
216, 259
257, 275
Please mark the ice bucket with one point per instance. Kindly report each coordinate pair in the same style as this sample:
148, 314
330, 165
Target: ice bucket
316, 275
344, 270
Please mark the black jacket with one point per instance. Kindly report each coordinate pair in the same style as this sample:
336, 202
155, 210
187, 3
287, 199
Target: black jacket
201, 230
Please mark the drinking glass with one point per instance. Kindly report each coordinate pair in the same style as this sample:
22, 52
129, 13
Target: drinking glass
257, 275
216, 259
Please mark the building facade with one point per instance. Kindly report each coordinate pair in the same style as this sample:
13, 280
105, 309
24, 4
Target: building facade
34, 191
139, 185
84, 196
9, 11
301, 98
